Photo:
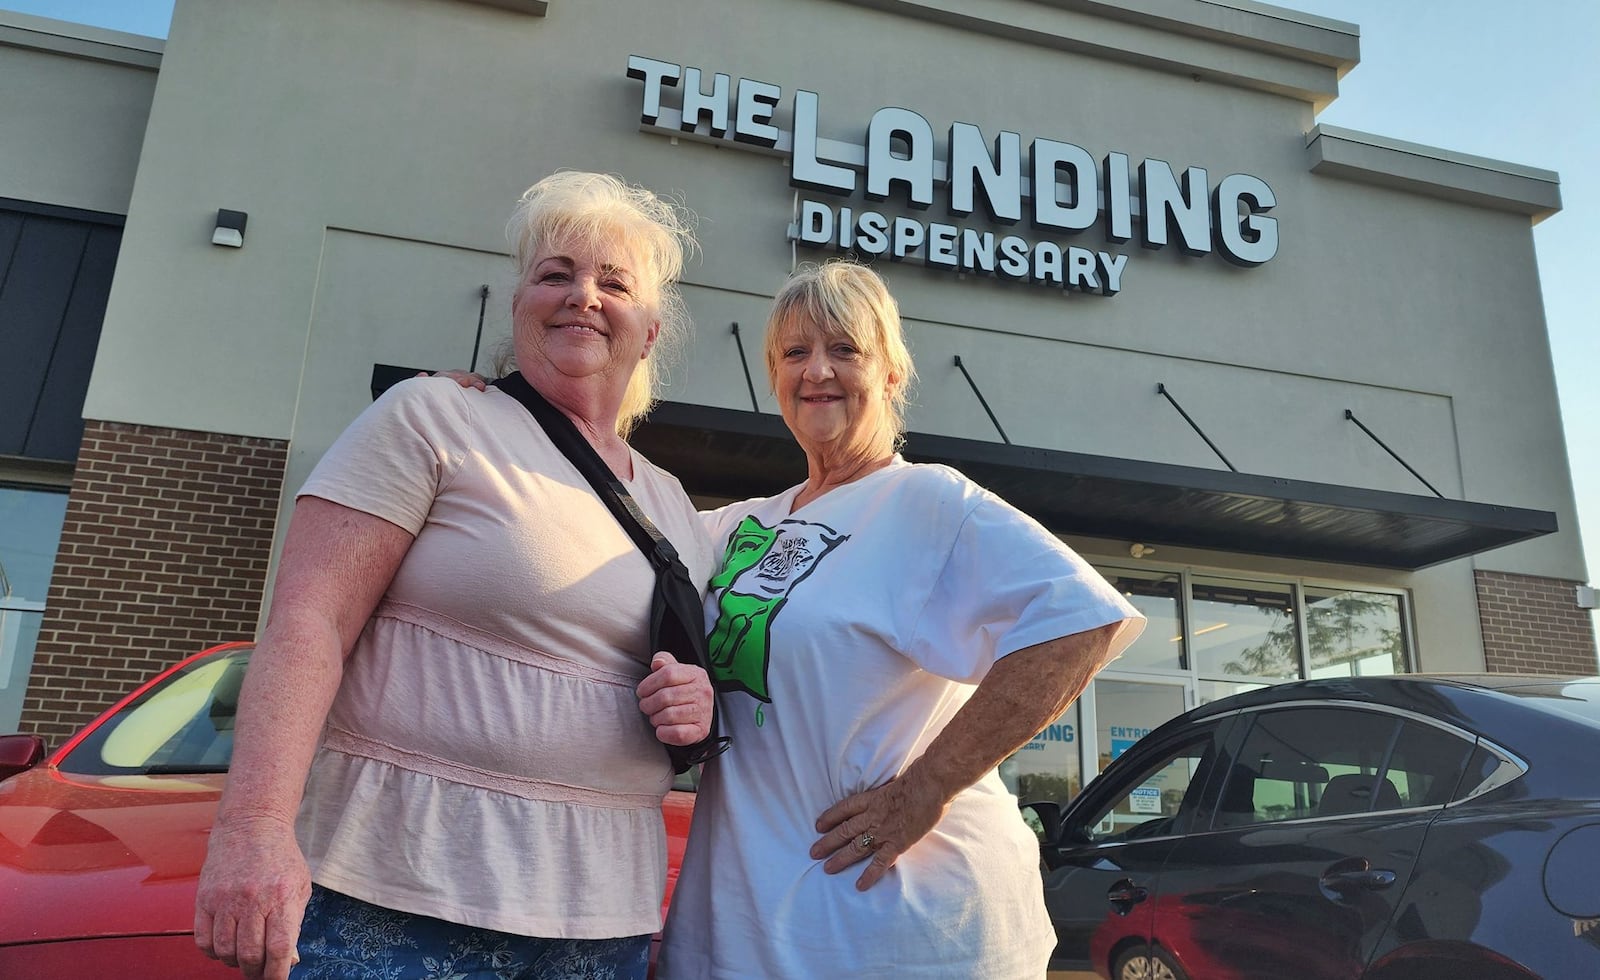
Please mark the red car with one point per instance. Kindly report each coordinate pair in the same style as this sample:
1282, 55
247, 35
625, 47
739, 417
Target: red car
101, 844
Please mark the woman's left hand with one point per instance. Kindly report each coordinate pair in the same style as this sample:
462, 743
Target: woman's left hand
677, 697
881, 823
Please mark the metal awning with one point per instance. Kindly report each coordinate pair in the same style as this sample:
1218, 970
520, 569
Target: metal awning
735, 454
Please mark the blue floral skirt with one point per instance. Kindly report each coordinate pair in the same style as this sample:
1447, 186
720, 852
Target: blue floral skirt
343, 938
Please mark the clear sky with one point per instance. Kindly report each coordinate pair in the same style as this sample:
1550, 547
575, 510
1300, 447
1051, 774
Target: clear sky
1515, 82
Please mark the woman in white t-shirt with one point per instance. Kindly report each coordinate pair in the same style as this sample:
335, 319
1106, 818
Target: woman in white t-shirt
881, 637
450, 737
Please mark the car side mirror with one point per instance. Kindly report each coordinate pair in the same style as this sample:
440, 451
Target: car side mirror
19, 753
1044, 817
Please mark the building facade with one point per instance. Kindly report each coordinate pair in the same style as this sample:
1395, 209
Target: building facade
1289, 386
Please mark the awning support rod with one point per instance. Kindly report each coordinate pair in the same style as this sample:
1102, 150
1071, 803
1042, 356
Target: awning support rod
1161, 390
754, 405
1352, 417
483, 302
982, 401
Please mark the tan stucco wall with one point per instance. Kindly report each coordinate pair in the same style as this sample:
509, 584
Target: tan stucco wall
73, 106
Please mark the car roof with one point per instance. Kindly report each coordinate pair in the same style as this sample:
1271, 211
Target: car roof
1545, 692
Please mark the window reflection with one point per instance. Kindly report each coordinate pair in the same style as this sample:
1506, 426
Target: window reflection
1354, 634
1244, 629
1216, 690
30, 529
1159, 596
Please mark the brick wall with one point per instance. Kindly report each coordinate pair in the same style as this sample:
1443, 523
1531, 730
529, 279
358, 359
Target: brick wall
1533, 625
164, 552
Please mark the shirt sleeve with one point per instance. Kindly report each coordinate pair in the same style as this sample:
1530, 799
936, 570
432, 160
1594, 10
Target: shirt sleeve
399, 454
1008, 584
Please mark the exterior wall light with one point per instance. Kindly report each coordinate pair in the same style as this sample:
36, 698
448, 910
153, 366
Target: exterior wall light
230, 228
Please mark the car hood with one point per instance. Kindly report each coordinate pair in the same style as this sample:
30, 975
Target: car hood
99, 856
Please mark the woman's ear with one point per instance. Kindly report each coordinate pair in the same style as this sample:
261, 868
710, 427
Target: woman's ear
650, 338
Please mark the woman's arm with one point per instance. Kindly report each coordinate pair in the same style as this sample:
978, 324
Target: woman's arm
336, 565
1020, 695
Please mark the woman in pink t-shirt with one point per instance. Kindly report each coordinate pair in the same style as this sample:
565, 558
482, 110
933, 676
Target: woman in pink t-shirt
450, 738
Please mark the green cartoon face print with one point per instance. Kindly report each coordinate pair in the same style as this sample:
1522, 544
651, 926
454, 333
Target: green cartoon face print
760, 570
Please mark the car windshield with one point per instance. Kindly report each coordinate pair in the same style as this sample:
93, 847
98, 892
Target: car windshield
182, 725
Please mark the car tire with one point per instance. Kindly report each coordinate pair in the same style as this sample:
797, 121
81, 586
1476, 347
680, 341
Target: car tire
1147, 963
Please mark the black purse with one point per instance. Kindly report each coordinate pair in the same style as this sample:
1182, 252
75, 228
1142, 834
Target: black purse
677, 618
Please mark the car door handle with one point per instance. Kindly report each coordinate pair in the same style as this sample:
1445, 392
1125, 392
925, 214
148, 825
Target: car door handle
1337, 884
1124, 895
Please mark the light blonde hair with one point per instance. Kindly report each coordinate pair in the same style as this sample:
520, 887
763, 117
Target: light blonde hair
589, 212
848, 300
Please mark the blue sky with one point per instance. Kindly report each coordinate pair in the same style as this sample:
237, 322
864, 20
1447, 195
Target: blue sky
1466, 75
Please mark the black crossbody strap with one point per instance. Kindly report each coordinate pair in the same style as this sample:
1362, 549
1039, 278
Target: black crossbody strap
582, 455
676, 619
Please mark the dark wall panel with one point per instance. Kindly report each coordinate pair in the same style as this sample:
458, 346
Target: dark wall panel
58, 419
54, 281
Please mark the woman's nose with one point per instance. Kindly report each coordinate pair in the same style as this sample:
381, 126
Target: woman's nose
584, 293
818, 367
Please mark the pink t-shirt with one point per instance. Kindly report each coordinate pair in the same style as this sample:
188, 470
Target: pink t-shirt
485, 760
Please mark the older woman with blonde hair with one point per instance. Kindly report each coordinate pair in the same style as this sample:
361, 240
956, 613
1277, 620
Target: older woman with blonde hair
451, 736
882, 636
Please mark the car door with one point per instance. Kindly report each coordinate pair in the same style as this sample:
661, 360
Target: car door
1115, 838
1314, 838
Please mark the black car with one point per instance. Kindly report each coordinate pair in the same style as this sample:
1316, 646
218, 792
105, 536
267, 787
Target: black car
1391, 828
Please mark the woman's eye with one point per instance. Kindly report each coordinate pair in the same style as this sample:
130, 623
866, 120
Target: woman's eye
617, 286
554, 277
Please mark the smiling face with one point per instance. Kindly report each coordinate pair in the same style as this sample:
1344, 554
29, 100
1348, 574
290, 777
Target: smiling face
834, 394
586, 314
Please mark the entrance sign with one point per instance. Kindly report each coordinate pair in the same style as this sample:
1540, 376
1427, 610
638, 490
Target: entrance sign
1062, 190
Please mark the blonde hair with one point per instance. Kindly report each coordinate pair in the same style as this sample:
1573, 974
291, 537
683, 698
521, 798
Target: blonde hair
594, 212
846, 299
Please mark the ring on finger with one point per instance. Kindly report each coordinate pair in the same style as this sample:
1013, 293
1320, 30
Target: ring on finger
865, 841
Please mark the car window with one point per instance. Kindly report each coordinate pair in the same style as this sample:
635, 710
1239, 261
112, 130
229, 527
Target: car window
1426, 765
1302, 762
1151, 798
184, 724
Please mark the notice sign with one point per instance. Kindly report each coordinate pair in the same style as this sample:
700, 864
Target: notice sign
1145, 799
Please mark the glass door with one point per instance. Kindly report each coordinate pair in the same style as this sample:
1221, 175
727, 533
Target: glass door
1121, 709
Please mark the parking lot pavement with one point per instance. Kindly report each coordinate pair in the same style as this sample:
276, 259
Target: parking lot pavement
1072, 975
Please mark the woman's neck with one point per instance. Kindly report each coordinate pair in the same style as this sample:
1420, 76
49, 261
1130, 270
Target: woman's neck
591, 406
827, 470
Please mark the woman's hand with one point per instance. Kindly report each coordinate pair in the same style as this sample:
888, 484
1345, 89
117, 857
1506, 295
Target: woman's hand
881, 823
677, 697
465, 379
252, 898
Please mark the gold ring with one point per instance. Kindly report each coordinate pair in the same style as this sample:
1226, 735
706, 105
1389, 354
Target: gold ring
865, 841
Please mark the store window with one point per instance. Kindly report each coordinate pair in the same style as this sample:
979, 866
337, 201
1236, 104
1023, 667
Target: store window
1244, 629
30, 531
1353, 634
1212, 635
1159, 596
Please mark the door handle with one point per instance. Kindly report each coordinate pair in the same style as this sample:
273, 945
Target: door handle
1124, 895
1341, 879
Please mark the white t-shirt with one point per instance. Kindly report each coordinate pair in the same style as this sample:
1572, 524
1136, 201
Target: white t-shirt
843, 639
485, 760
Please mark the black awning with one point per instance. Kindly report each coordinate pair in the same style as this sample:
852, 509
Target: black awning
729, 453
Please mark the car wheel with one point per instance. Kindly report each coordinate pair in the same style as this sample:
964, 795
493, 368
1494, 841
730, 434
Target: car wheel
1147, 963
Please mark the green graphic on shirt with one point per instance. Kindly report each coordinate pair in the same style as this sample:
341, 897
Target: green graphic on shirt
760, 569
